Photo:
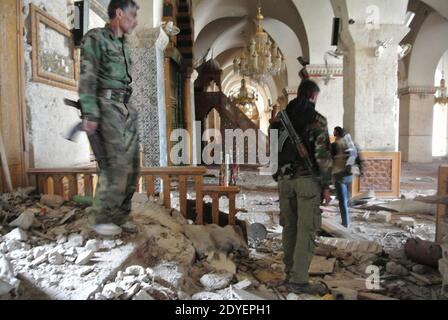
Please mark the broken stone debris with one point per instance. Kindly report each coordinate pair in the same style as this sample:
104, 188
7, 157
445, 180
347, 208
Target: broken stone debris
407, 222
8, 280
84, 257
142, 295
16, 234
216, 281
217, 248
396, 269
24, 221
53, 201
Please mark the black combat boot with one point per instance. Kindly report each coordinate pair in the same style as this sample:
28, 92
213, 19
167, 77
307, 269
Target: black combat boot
315, 289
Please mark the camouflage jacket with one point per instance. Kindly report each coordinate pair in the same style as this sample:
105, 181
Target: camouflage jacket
313, 129
105, 64
319, 139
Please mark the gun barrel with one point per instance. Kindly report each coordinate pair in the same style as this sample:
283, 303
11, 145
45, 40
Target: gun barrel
74, 104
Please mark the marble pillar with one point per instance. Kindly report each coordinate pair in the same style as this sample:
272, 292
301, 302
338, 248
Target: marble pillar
147, 45
370, 85
330, 103
416, 123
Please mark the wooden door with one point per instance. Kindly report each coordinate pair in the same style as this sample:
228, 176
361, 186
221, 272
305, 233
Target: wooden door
12, 115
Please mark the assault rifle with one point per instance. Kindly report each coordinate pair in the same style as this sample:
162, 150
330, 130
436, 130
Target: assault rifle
300, 145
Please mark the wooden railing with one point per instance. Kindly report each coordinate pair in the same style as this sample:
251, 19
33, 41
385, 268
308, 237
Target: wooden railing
68, 182
216, 192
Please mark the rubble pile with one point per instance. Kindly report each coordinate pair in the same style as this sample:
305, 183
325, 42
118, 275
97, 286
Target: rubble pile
48, 252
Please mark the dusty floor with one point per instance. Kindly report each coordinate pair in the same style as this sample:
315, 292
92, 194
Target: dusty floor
259, 199
58, 258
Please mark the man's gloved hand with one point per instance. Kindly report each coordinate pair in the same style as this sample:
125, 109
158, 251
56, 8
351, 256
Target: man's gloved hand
326, 198
89, 126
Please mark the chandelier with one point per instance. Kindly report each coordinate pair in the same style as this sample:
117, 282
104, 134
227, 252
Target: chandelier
246, 102
441, 94
261, 58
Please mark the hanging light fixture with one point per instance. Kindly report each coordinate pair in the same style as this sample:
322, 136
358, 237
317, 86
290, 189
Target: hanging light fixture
246, 102
262, 58
441, 94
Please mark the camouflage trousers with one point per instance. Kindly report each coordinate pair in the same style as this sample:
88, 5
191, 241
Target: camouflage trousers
118, 161
301, 218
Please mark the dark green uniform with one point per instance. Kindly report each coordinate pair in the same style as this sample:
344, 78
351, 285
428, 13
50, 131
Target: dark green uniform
104, 90
300, 193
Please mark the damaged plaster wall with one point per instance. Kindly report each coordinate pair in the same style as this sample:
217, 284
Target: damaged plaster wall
48, 118
330, 103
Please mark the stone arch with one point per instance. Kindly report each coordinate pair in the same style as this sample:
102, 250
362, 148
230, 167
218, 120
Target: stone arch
423, 62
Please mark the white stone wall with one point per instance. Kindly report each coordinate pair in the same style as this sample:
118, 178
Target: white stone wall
416, 124
95, 21
330, 103
48, 118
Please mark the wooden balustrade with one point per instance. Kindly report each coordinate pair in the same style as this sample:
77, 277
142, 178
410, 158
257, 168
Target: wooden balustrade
216, 192
68, 182
82, 181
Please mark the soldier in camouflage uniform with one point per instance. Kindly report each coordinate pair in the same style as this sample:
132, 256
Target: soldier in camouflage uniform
104, 91
300, 193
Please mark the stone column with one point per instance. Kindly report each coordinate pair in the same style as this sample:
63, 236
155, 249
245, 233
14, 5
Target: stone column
187, 110
416, 123
290, 93
370, 85
147, 47
330, 103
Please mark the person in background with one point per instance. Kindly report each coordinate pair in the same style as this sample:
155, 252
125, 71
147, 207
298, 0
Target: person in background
345, 155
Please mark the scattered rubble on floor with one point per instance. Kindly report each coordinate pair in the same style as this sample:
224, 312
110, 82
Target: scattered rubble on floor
47, 252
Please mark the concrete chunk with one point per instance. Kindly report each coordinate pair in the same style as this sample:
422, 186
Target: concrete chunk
39, 260
246, 295
12, 245
84, 257
74, 240
112, 291
55, 258
246, 283
397, 269
53, 201
93, 245
142, 295
24, 221
8, 280
383, 216
134, 270
221, 262
216, 281
169, 274
131, 292
407, 222
16, 234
